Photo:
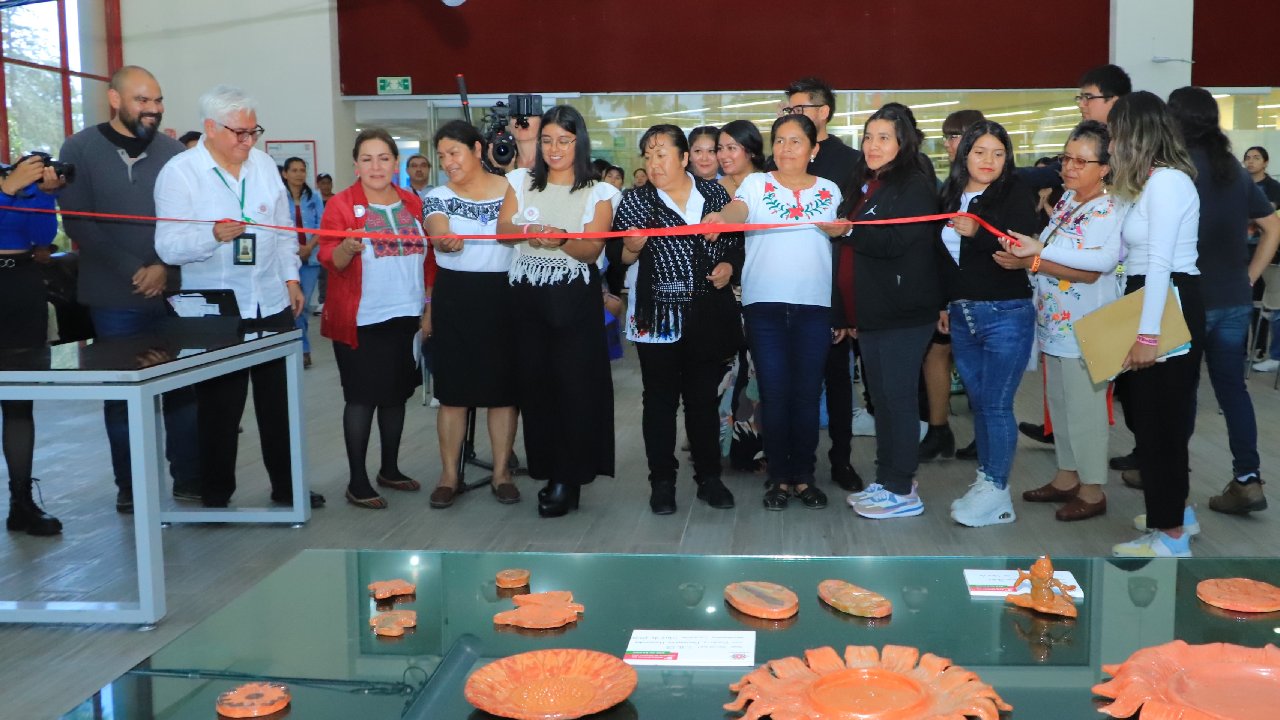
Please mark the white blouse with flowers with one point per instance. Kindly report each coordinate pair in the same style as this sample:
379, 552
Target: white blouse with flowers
787, 265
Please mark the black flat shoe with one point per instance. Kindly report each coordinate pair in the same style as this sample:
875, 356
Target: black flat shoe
1035, 432
968, 452
812, 498
662, 498
775, 498
559, 500
846, 478
713, 492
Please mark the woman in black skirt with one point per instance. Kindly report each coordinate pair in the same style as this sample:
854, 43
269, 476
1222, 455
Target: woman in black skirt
469, 316
374, 309
22, 298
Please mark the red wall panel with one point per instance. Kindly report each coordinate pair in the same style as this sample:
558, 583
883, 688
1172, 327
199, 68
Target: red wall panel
1234, 44
672, 45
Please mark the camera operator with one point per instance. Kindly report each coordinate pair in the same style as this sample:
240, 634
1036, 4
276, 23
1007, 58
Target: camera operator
122, 280
22, 295
524, 129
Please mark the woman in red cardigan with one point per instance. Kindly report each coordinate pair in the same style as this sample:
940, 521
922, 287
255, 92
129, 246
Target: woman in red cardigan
377, 289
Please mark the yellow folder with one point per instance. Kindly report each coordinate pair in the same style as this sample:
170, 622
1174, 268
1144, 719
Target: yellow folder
1106, 334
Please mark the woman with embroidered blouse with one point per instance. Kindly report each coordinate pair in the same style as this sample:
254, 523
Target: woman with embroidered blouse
1075, 274
786, 298
565, 390
669, 276
468, 316
374, 309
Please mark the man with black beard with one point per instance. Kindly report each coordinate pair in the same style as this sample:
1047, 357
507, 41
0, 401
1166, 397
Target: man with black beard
121, 279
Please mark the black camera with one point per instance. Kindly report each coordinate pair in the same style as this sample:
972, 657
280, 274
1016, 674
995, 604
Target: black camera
65, 170
502, 145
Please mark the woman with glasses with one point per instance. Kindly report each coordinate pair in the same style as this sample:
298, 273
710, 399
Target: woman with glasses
898, 295
989, 314
786, 297
306, 208
674, 279
702, 153
374, 309
469, 313
565, 390
1073, 270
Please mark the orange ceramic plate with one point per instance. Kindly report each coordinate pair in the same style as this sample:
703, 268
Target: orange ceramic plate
853, 600
251, 700
1240, 595
513, 578
551, 684
1177, 681
762, 599
866, 684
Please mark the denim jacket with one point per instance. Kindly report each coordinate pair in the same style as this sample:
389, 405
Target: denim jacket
312, 211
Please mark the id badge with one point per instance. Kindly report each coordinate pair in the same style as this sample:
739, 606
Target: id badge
246, 249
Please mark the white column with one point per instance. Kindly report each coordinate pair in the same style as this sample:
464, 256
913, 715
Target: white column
1151, 40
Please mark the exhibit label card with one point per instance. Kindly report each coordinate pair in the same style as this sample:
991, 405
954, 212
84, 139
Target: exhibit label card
692, 648
999, 583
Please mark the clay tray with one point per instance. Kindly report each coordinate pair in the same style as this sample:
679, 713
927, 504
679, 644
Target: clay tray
1177, 681
551, 684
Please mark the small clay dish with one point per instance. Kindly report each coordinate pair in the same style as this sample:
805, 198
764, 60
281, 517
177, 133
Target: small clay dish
513, 578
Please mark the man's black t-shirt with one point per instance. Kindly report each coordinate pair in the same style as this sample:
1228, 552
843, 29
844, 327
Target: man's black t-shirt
834, 161
134, 146
1225, 211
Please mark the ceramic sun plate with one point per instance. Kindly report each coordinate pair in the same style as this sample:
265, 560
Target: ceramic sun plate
896, 684
1177, 681
252, 700
551, 684
762, 599
1240, 595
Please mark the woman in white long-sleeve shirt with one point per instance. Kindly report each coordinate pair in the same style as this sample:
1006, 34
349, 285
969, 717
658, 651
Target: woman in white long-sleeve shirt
1151, 166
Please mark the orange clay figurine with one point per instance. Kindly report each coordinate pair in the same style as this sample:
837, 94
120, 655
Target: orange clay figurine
541, 611
1042, 597
393, 623
254, 699
390, 588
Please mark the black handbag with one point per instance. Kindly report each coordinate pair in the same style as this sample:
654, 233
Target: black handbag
713, 325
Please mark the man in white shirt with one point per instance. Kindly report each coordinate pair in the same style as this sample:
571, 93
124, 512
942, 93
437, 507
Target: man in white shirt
225, 179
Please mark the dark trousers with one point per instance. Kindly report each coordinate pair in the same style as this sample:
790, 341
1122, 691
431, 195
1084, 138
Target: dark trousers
671, 372
179, 406
1162, 404
839, 382
893, 359
220, 405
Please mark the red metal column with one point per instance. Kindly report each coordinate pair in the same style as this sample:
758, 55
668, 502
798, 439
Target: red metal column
4, 116
65, 65
115, 42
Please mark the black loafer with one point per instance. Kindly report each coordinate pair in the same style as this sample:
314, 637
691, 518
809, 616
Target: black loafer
812, 498
968, 452
775, 498
713, 492
846, 478
662, 498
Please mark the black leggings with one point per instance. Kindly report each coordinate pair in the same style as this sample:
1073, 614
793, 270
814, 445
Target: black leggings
357, 425
19, 438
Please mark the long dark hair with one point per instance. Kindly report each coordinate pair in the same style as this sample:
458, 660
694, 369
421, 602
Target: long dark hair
570, 120
902, 167
306, 189
746, 134
1197, 114
959, 177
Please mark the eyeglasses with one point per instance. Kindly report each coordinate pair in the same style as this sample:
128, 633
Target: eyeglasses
1069, 161
243, 135
561, 142
952, 136
797, 109
1085, 98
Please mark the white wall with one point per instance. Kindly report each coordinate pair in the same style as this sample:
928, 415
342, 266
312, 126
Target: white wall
1146, 29
282, 52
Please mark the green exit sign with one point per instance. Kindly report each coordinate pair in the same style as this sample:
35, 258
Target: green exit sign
395, 86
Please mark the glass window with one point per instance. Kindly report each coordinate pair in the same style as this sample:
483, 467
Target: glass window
30, 33
35, 110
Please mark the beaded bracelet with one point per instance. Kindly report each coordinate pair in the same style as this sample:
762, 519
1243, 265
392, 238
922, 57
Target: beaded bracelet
1149, 340
1035, 265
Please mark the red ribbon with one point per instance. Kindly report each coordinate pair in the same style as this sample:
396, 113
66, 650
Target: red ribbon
698, 229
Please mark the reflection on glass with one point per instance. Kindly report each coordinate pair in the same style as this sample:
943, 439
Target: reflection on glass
34, 98
30, 33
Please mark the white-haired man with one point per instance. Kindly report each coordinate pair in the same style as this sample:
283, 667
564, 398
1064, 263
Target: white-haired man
225, 176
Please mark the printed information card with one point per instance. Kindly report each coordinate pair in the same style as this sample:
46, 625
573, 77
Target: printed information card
999, 583
692, 648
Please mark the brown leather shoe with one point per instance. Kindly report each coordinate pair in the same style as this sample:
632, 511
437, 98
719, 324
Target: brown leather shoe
1078, 509
442, 496
1048, 493
1132, 478
507, 493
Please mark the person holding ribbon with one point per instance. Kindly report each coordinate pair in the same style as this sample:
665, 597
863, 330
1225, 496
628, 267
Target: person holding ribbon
565, 390
226, 181
786, 298
469, 317
681, 314
377, 287
306, 208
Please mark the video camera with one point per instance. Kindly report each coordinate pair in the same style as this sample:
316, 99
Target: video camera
65, 170
501, 142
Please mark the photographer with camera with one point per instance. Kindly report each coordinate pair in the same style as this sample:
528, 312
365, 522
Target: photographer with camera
511, 133
122, 280
25, 185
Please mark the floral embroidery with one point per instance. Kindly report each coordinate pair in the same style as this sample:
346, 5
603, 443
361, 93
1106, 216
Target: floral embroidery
379, 221
1064, 285
798, 211
483, 212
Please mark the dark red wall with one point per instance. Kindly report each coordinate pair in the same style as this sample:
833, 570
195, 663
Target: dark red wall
645, 45
1234, 44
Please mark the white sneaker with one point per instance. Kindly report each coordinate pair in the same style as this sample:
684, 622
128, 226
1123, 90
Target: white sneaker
1155, 544
864, 424
884, 505
975, 487
984, 504
1267, 365
870, 490
1189, 524
924, 430
434, 403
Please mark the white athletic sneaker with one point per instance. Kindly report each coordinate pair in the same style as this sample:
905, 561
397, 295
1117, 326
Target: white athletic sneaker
884, 505
984, 504
865, 493
975, 487
864, 424
1189, 524
1155, 544
1267, 365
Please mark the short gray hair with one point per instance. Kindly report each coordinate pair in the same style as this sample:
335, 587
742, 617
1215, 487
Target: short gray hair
221, 102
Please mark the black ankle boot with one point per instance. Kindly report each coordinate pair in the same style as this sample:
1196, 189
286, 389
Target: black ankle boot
662, 497
25, 514
559, 500
938, 442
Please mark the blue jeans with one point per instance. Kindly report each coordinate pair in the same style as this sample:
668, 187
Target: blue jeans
181, 448
1226, 338
789, 344
991, 342
308, 278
